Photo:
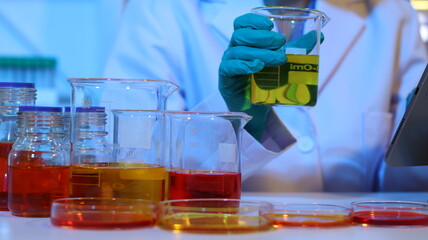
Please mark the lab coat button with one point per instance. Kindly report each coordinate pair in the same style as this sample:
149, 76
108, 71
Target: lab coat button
305, 144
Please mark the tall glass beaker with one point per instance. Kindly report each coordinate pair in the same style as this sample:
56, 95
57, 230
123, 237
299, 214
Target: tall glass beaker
296, 81
205, 154
110, 93
118, 175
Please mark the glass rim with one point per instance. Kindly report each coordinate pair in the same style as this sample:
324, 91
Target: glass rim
125, 80
337, 207
315, 12
390, 204
268, 204
138, 111
203, 114
71, 200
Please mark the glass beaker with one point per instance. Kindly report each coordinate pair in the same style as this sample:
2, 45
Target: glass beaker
205, 154
136, 167
296, 81
139, 141
107, 176
110, 93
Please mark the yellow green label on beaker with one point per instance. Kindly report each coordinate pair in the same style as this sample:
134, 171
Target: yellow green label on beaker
293, 83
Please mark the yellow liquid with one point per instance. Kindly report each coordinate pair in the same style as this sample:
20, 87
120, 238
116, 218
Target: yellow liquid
310, 220
214, 223
294, 83
118, 180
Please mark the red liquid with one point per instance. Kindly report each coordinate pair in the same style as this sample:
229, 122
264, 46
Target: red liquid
33, 185
100, 220
4, 152
397, 218
204, 184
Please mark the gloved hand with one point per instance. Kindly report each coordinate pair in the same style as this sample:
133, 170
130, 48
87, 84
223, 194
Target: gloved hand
252, 47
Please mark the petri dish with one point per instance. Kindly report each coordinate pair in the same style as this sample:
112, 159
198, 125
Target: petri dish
102, 213
214, 216
390, 213
310, 215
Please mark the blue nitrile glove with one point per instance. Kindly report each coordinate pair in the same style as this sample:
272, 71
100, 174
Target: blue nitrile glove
252, 47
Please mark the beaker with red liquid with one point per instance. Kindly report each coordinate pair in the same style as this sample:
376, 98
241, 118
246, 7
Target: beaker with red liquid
12, 95
204, 154
38, 167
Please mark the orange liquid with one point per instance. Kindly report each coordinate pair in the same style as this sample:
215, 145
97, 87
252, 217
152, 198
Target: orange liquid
32, 188
102, 220
118, 180
4, 153
214, 223
302, 220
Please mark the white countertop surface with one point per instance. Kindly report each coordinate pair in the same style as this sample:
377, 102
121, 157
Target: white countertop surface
19, 228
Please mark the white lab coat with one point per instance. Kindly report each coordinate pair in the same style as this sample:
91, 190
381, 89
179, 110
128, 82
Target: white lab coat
368, 65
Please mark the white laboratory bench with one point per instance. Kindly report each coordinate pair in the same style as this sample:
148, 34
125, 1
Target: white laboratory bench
19, 228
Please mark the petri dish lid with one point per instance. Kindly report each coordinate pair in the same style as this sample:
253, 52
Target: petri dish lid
102, 213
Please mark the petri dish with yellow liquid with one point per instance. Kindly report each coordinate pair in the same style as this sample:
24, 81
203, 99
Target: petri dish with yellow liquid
310, 215
214, 216
102, 213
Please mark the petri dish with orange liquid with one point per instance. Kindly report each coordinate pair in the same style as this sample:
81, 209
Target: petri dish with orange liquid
390, 213
102, 213
214, 216
310, 215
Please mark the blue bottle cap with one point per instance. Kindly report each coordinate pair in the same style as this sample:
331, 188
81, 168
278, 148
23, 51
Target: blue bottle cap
39, 109
67, 109
17, 84
90, 109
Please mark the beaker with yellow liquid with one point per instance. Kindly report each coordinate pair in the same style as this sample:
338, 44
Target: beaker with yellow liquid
296, 81
116, 138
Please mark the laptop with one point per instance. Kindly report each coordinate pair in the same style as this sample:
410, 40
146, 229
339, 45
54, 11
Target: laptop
409, 145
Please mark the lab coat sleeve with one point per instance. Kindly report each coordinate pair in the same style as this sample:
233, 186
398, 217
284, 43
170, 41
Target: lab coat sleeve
255, 154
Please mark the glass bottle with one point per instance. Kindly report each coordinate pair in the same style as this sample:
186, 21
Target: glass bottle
38, 167
12, 95
90, 151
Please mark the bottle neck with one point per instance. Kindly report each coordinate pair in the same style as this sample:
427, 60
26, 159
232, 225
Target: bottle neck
91, 124
11, 98
40, 123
